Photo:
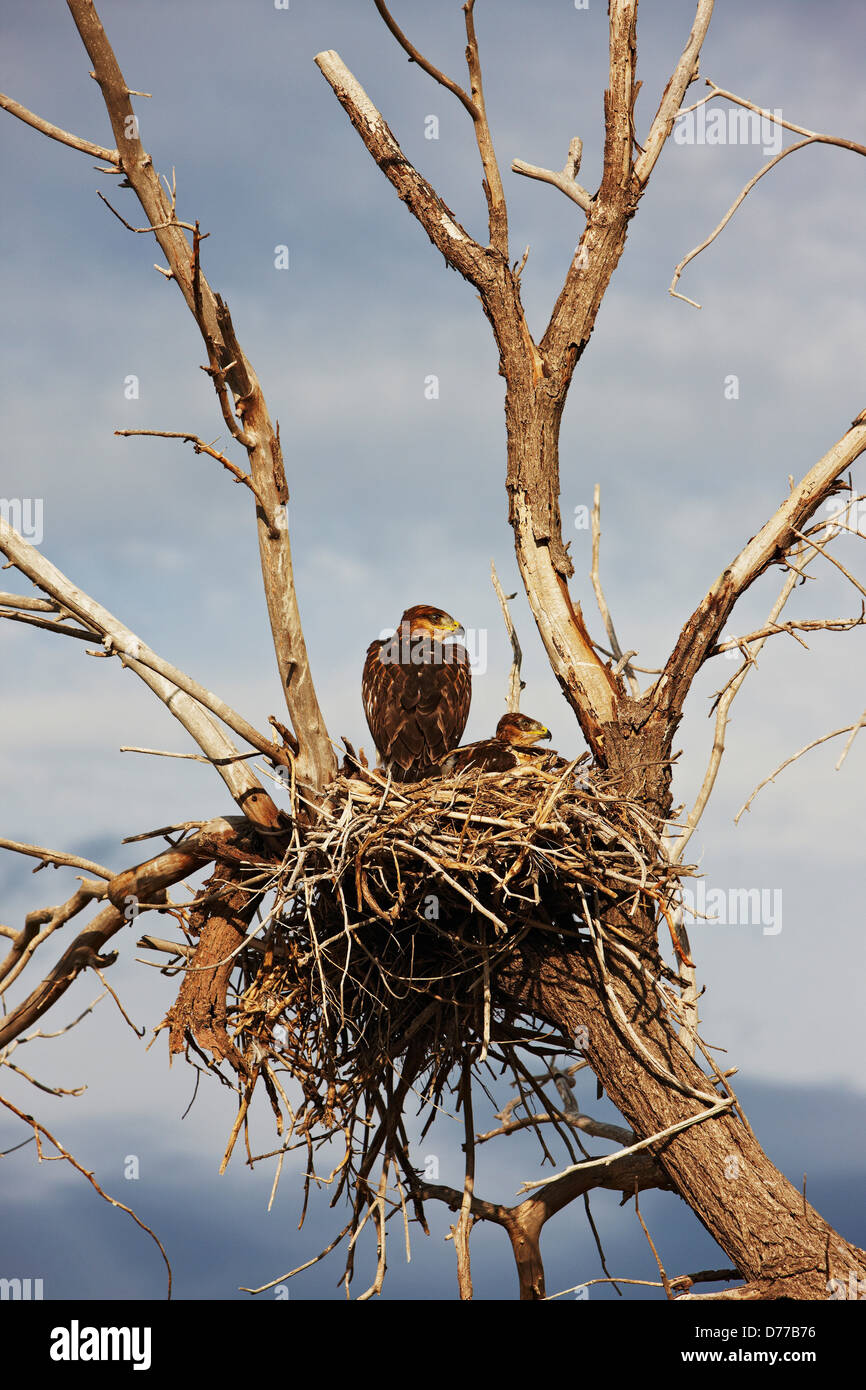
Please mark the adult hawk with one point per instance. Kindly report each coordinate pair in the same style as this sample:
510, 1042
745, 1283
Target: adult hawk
416, 690
511, 746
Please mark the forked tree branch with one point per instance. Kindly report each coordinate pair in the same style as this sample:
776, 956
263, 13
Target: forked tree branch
683, 75
493, 191
250, 796
136, 651
585, 680
538, 376
416, 57
459, 249
524, 1222
703, 628
565, 179
134, 891
41, 924
623, 181
861, 723
812, 137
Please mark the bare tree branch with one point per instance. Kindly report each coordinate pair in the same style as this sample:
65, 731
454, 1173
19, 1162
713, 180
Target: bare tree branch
586, 682
666, 1284
565, 179
183, 696
523, 1223
861, 723
493, 191
708, 241
702, 630
497, 212
683, 75
515, 684
778, 120
820, 547
812, 138
723, 708
55, 133
171, 221
135, 890
227, 365
622, 661
30, 938
200, 447
186, 757
437, 219
465, 1221
849, 728
39, 1131
35, 605
609, 1159
57, 857
793, 626
416, 57
82, 634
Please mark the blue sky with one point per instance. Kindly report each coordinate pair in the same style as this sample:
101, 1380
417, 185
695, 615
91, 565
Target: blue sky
397, 499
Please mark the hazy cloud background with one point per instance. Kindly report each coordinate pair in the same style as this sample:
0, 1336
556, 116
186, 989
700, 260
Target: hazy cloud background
397, 499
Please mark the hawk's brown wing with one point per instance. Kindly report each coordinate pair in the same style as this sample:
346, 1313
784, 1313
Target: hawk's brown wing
490, 755
495, 755
416, 699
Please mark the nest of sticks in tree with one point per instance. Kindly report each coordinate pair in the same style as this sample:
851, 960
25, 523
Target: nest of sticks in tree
394, 914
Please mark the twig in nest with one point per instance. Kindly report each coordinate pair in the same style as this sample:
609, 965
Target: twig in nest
515, 684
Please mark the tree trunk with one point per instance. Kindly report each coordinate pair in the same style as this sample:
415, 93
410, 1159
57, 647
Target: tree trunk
782, 1247
778, 1242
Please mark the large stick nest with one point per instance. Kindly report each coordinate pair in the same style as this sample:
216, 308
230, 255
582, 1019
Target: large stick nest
396, 909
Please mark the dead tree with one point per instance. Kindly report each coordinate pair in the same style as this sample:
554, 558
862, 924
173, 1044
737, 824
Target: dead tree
600, 990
